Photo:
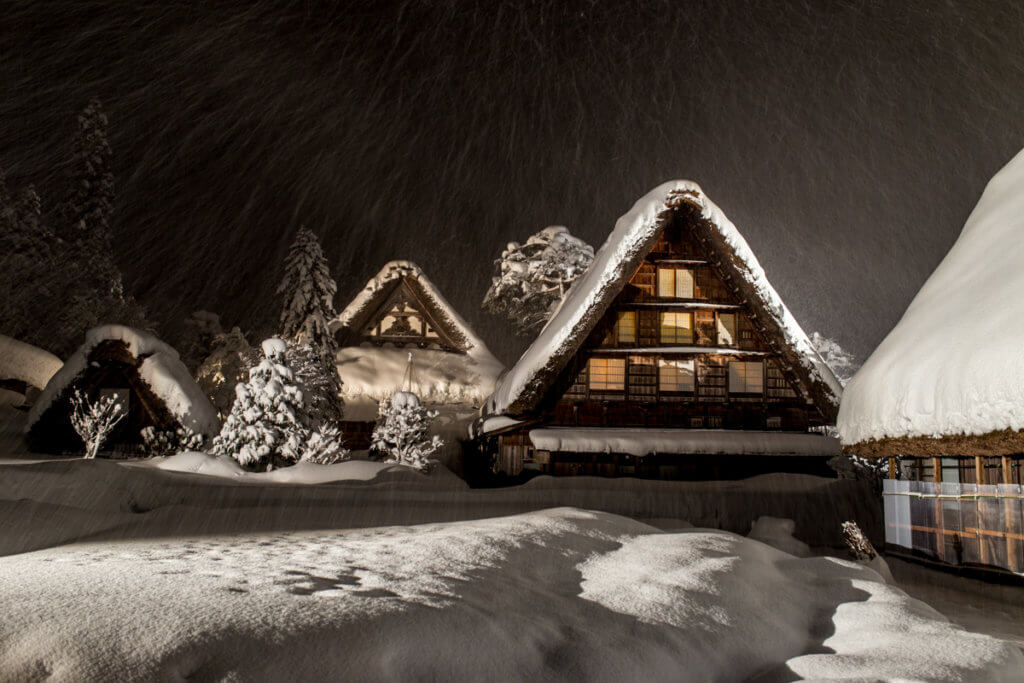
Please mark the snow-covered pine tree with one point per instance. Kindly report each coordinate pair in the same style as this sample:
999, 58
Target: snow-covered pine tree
533, 278
308, 291
228, 363
267, 424
196, 343
842, 363
318, 376
402, 432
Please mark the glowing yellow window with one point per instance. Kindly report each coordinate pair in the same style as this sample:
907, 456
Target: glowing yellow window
607, 374
675, 283
675, 375
626, 327
677, 328
746, 377
726, 329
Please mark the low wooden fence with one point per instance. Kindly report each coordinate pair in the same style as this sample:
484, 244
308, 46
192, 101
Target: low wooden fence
957, 523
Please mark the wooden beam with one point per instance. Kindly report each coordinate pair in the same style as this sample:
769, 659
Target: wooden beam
979, 469
892, 467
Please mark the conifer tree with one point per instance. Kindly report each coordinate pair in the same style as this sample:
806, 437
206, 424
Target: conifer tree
308, 291
402, 434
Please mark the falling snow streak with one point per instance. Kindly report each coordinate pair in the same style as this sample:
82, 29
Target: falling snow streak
847, 140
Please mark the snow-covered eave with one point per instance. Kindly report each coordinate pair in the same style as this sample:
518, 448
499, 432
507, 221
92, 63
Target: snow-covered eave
396, 270
993, 443
648, 441
26, 363
590, 296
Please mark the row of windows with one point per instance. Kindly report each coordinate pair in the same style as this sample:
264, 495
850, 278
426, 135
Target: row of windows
675, 328
609, 374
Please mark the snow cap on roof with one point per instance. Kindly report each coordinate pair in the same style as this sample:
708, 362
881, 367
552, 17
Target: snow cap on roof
26, 363
161, 369
520, 389
954, 363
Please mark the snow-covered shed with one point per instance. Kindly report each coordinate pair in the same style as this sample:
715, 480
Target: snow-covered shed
399, 332
942, 397
141, 372
674, 327
24, 371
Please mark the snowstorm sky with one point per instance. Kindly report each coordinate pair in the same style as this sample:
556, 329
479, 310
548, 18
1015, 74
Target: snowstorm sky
848, 141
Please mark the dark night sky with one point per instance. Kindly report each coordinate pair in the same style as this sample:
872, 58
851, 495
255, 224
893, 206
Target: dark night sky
847, 140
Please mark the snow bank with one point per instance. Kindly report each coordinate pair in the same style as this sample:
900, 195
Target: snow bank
26, 363
778, 533
631, 232
954, 364
642, 442
559, 594
161, 369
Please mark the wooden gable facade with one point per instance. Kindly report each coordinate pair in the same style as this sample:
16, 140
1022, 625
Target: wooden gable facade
673, 337
680, 347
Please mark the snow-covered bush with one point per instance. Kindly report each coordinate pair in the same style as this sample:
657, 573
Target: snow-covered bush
857, 543
157, 442
323, 446
94, 421
843, 364
267, 423
402, 432
533, 278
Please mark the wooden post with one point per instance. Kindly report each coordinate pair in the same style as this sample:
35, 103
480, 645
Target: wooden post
892, 467
1011, 517
940, 540
979, 469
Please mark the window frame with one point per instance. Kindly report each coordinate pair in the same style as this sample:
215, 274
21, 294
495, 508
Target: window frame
665, 363
661, 328
673, 273
607, 361
746, 378
718, 328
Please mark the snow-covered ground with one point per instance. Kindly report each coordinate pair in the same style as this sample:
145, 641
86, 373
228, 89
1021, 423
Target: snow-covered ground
558, 594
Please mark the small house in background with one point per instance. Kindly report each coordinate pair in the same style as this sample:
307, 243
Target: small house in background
671, 357
400, 333
941, 400
24, 371
143, 374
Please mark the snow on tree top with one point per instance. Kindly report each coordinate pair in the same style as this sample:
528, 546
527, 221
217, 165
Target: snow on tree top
26, 363
954, 363
404, 399
274, 347
161, 369
591, 294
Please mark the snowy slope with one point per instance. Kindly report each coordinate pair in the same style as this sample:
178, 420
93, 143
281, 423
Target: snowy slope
562, 594
161, 370
27, 363
631, 231
954, 364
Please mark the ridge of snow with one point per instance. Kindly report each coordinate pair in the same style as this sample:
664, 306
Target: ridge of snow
394, 270
954, 363
645, 441
29, 364
631, 232
161, 369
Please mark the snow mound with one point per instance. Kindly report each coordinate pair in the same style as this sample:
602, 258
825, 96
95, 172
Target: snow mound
954, 364
778, 533
161, 369
274, 347
558, 594
26, 363
632, 231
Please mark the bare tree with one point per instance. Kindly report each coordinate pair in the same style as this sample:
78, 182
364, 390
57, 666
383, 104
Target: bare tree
94, 421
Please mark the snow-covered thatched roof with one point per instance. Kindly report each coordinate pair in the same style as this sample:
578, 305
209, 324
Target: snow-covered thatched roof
26, 363
159, 368
949, 378
522, 387
369, 372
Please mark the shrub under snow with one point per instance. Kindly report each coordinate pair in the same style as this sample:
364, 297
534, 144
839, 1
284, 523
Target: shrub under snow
158, 442
402, 434
94, 421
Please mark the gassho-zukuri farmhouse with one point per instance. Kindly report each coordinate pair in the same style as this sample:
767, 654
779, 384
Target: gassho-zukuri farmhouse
671, 357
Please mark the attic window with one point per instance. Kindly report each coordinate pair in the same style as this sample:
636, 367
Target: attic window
726, 329
676, 375
677, 328
675, 283
607, 374
625, 327
746, 377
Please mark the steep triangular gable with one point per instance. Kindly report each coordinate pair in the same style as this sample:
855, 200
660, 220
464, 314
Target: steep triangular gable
403, 316
405, 281
521, 389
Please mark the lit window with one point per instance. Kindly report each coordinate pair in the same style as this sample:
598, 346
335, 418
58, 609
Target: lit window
677, 328
675, 375
675, 283
726, 329
607, 374
626, 327
746, 377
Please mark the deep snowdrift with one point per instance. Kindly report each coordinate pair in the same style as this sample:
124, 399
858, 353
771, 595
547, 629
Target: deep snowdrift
26, 363
560, 594
954, 364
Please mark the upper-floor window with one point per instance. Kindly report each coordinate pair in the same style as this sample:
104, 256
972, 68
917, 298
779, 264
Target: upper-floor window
726, 329
607, 374
746, 377
675, 283
625, 327
676, 328
676, 375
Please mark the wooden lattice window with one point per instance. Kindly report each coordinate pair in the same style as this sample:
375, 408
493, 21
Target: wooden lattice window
676, 328
726, 329
676, 376
746, 377
607, 374
675, 283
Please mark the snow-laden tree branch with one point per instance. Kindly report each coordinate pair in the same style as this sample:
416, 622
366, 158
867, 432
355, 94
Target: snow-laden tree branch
843, 364
94, 421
